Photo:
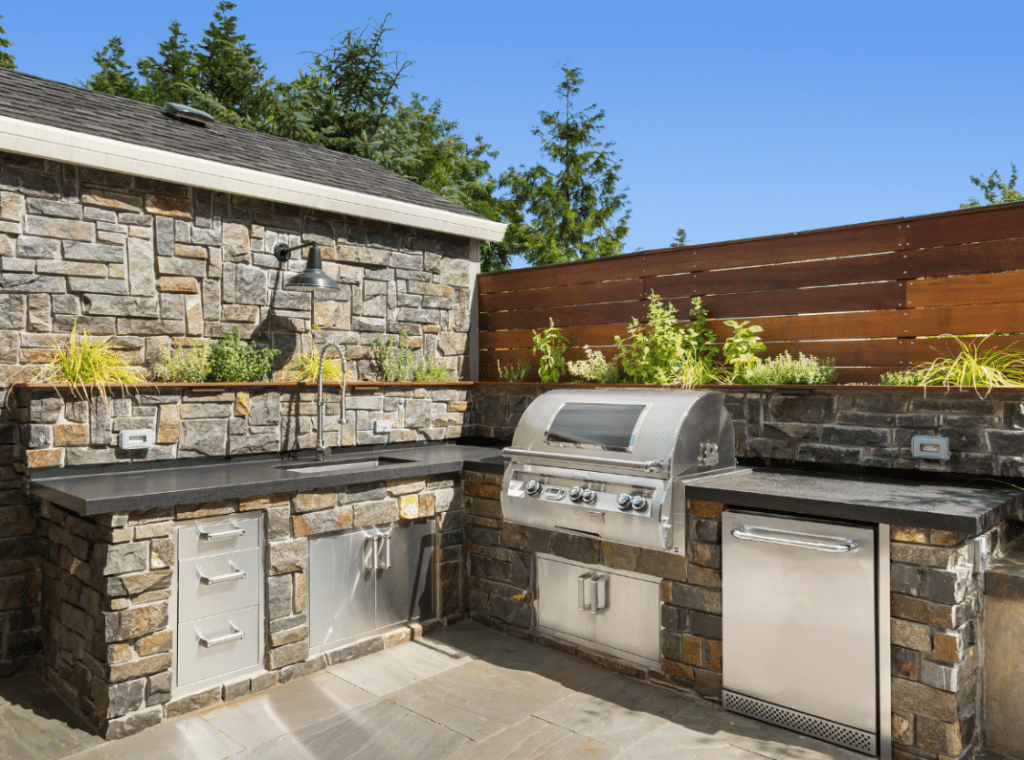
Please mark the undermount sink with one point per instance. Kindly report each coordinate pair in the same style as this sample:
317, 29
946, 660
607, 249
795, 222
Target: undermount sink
348, 464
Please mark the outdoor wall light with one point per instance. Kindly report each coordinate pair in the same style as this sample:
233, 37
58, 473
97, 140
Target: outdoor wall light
313, 278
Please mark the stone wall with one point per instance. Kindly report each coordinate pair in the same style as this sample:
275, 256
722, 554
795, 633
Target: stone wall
858, 427
154, 263
107, 586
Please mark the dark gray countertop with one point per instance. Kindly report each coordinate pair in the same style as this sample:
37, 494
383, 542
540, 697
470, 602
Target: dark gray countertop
874, 500
103, 491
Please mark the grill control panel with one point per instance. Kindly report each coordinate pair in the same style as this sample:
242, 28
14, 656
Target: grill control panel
611, 497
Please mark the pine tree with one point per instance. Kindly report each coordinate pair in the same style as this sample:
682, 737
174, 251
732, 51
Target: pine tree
569, 215
173, 77
6, 59
228, 70
115, 76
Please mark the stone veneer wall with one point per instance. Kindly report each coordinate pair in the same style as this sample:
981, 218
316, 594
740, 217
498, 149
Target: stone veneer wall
153, 263
107, 589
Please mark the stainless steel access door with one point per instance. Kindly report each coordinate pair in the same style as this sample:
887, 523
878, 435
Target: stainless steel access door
341, 587
799, 618
404, 587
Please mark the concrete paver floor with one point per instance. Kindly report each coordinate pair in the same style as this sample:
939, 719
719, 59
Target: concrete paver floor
463, 693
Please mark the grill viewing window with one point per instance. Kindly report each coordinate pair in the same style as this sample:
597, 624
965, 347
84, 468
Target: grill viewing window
607, 426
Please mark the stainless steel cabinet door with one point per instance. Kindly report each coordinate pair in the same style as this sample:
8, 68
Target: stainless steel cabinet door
341, 589
799, 615
627, 615
404, 583
562, 590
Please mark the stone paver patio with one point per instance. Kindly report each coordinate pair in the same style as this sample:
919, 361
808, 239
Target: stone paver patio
464, 693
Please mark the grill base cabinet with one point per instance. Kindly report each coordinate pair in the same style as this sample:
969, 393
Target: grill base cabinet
800, 636
368, 580
219, 601
609, 610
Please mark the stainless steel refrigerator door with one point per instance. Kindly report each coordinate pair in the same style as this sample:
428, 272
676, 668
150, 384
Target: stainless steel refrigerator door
341, 587
405, 588
799, 612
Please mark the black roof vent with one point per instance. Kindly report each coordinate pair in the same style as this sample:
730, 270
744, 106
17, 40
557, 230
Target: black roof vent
187, 113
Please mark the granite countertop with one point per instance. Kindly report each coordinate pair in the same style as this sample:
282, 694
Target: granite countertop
956, 508
192, 482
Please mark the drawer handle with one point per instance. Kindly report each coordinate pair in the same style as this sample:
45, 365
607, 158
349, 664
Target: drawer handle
207, 535
236, 634
235, 575
779, 537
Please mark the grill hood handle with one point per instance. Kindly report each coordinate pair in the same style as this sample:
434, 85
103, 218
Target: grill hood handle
653, 465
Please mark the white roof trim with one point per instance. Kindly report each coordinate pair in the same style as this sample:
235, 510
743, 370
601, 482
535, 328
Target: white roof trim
58, 144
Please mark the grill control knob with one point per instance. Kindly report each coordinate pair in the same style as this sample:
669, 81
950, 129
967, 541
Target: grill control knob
533, 488
589, 496
625, 501
576, 493
639, 503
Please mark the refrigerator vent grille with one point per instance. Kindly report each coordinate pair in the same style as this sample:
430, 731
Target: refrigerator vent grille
809, 725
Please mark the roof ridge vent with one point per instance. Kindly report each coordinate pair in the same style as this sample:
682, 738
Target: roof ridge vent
188, 113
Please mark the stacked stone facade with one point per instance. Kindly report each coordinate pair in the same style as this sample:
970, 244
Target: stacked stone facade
155, 264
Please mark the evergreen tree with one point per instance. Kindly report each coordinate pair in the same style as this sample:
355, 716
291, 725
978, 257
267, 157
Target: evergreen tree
680, 239
228, 72
173, 77
6, 59
569, 215
115, 76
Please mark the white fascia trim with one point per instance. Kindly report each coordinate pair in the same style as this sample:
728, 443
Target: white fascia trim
58, 144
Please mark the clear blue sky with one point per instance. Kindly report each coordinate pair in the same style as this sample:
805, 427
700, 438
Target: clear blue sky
731, 119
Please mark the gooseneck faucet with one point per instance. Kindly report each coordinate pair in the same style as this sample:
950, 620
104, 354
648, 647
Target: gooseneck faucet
321, 450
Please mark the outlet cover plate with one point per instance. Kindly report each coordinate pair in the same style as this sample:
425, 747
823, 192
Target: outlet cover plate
383, 426
128, 440
930, 446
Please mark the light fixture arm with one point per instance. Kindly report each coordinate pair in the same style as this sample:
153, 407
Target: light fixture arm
284, 253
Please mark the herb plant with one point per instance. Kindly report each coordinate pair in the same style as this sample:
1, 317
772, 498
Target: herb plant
595, 368
433, 371
741, 348
184, 364
394, 357
231, 362
84, 359
515, 373
785, 370
551, 345
653, 347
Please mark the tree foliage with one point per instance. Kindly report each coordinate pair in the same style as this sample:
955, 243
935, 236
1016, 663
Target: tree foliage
6, 59
995, 190
573, 212
680, 239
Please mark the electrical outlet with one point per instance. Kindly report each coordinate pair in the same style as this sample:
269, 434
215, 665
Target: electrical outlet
383, 426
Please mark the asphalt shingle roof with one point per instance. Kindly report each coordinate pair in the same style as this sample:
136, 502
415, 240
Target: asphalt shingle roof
43, 101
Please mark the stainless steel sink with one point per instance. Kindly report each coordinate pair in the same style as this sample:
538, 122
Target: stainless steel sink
349, 464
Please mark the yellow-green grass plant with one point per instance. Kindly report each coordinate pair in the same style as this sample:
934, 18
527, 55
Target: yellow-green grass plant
972, 367
304, 366
83, 360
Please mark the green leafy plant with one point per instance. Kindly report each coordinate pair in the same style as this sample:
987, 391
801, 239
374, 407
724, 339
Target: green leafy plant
515, 373
183, 364
551, 345
394, 357
741, 348
231, 362
595, 368
785, 370
82, 360
304, 366
652, 347
433, 371
972, 367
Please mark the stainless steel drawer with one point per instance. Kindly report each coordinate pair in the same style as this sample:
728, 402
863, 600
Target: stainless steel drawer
218, 645
210, 585
217, 535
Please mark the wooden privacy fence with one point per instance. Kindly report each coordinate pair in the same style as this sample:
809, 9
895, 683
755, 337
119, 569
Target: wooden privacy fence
874, 296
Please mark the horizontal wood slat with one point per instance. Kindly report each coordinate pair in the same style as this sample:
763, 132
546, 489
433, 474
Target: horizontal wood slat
1003, 287
586, 293
867, 297
592, 335
564, 316
990, 223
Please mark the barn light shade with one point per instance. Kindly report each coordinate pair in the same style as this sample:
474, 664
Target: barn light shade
312, 278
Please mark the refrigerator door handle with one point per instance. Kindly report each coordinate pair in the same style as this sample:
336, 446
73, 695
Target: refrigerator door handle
581, 592
823, 544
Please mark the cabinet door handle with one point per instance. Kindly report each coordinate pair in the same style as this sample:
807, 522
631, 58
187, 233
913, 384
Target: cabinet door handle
581, 591
236, 634
235, 575
385, 544
595, 587
370, 553
232, 532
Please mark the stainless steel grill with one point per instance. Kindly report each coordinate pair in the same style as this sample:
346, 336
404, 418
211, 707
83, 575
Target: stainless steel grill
613, 464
